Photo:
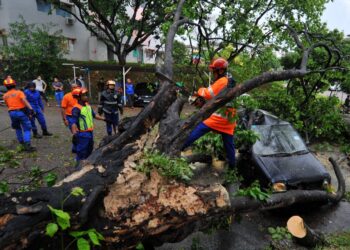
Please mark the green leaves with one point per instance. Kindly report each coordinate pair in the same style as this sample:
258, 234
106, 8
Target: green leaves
51, 229
288, 103
173, 168
279, 233
4, 187
140, 246
83, 244
63, 218
93, 235
37, 51
254, 191
77, 191
210, 144
50, 179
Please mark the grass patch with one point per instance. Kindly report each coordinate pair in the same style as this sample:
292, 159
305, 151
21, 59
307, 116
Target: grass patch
9, 158
347, 196
339, 241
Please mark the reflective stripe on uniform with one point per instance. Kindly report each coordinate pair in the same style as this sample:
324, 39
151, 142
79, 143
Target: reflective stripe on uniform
110, 112
201, 92
210, 89
220, 115
111, 103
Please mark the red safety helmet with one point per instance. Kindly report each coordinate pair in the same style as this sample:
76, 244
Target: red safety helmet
79, 92
219, 63
9, 82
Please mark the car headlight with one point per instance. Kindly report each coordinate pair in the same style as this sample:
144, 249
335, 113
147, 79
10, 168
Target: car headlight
279, 187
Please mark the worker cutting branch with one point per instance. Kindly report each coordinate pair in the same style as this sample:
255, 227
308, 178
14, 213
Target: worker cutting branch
223, 120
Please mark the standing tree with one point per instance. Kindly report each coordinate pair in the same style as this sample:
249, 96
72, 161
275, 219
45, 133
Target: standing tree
33, 50
127, 206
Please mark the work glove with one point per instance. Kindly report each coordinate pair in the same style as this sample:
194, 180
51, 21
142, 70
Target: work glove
75, 139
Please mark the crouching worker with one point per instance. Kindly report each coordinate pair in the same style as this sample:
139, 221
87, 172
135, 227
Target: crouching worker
19, 110
110, 104
34, 98
223, 120
82, 125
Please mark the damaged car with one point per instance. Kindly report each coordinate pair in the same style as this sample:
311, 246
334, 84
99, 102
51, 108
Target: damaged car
279, 158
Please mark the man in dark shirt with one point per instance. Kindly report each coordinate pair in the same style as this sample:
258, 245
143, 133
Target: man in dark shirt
110, 104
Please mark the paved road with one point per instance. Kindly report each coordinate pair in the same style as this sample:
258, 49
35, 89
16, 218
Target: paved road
340, 94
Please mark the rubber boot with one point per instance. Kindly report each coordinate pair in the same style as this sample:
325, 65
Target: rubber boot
36, 135
46, 133
29, 148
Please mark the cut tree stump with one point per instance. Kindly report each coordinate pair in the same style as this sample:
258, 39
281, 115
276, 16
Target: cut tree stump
303, 234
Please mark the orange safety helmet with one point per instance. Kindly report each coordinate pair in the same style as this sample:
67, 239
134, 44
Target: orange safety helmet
219, 63
79, 92
9, 82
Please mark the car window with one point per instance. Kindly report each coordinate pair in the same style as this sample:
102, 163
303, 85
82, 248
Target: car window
277, 139
144, 88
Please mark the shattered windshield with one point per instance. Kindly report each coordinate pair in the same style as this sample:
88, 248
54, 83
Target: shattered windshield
280, 139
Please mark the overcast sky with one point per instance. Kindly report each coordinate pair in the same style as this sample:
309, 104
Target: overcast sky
337, 15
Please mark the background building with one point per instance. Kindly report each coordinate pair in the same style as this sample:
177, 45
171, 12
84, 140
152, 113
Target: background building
81, 44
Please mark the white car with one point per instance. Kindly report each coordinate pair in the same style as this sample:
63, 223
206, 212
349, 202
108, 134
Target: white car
335, 87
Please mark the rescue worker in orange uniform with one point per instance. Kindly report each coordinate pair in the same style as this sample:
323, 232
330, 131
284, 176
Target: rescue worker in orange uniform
223, 120
67, 105
19, 110
82, 125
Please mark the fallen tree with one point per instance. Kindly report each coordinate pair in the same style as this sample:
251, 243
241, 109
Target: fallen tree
128, 207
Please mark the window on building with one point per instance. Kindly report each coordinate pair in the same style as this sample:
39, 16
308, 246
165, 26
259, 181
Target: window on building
63, 10
68, 44
149, 53
43, 5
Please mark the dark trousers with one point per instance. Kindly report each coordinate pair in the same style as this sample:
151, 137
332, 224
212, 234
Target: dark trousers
84, 146
43, 95
20, 122
112, 122
202, 129
41, 119
130, 98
